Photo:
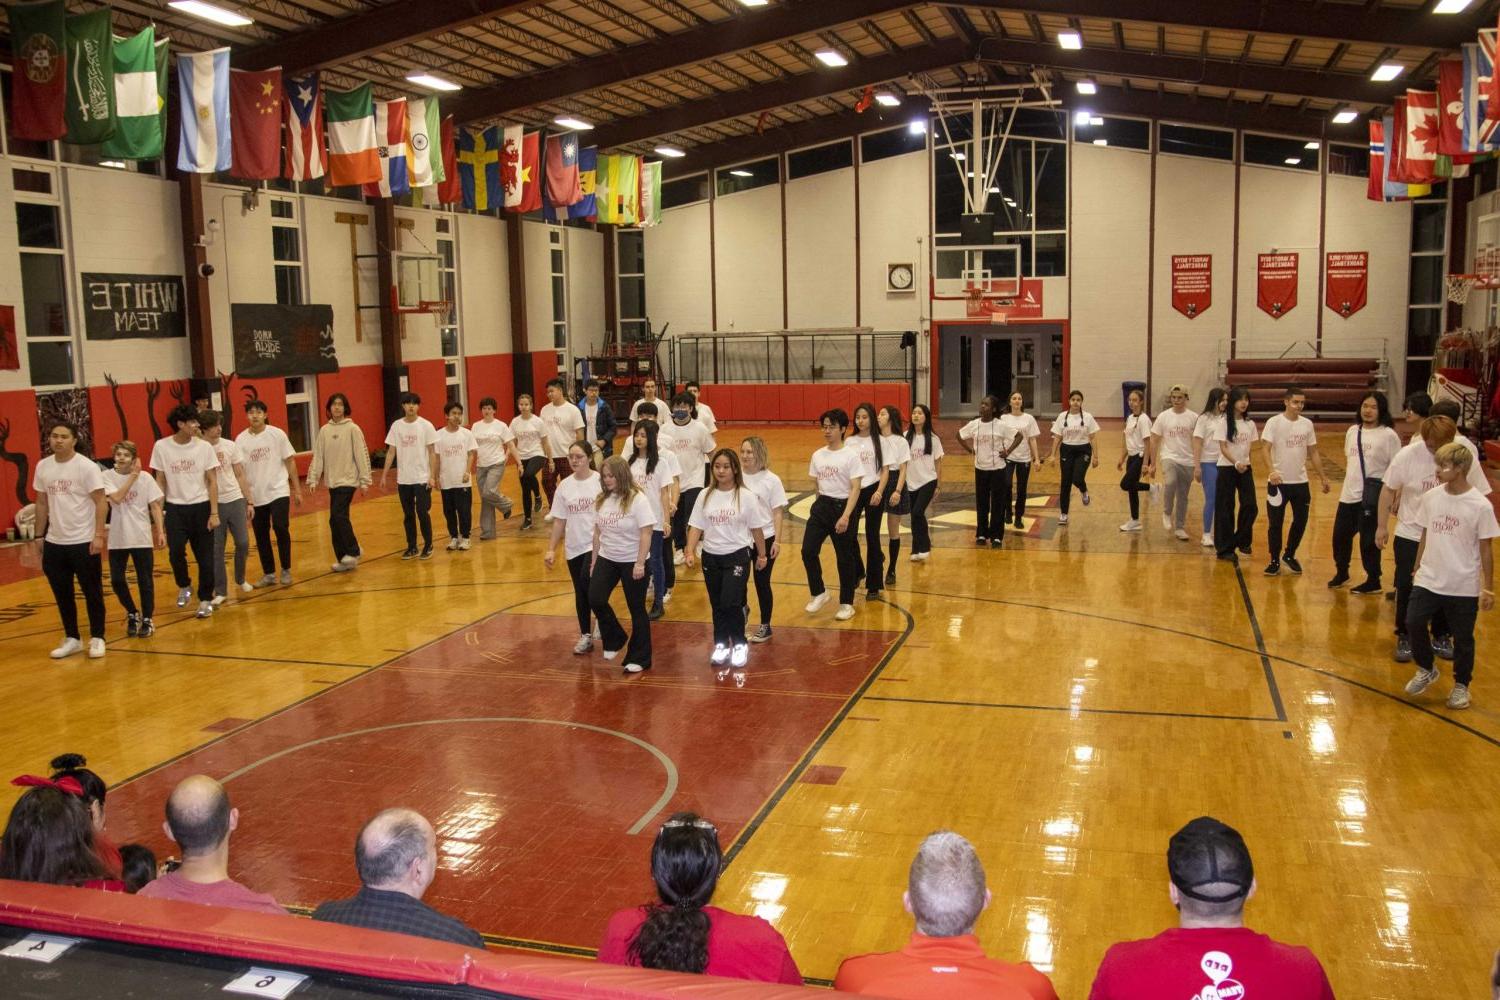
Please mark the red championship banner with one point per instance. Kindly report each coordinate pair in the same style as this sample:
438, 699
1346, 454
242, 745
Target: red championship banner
1276, 284
1347, 281
1192, 284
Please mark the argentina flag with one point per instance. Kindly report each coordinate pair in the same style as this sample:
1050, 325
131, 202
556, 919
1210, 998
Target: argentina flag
203, 86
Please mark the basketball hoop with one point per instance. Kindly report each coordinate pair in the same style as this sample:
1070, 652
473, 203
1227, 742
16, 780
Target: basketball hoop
1485, 279
441, 310
1459, 287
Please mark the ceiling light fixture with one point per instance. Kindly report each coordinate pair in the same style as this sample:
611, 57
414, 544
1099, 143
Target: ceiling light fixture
740, 173
1101, 142
887, 100
754, 3
116, 164
1096, 120
1451, 6
209, 12
1313, 145
1087, 87
1070, 39
670, 152
425, 79
1082, 117
1387, 71
958, 156
1345, 117
1293, 161
828, 57
576, 124
918, 126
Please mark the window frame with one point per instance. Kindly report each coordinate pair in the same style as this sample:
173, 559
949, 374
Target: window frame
297, 267
453, 369
621, 277
54, 199
1161, 150
1316, 169
306, 396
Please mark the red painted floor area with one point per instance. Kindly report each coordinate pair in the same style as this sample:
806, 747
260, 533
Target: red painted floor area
486, 733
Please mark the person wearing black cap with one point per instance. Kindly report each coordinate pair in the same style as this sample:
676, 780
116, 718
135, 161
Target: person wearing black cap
1211, 952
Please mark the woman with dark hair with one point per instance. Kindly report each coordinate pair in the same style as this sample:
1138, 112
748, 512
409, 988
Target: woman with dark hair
50, 838
866, 444
657, 474
135, 531
1073, 434
893, 497
754, 460
1018, 467
682, 932
1206, 455
923, 475
1236, 479
531, 453
837, 472
1138, 458
623, 523
727, 520
573, 524
341, 458
74, 765
1369, 447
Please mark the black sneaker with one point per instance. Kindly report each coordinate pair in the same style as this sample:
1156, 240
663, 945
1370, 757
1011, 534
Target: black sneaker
525, 524
1292, 564
980, 540
762, 634
146, 629
1273, 568
1367, 589
132, 625
409, 554
656, 612
1245, 550
1339, 579
1403, 650
996, 543
426, 552
890, 577
1443, 647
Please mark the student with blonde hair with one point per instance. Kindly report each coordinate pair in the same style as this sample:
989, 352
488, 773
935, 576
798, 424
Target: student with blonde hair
623, 523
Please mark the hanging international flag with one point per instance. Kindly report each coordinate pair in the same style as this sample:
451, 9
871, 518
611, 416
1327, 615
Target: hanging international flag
1450, 107
627, 189
1375, 181
450, 191
604, 202
510, 165
1421, 135
562, 170
479, 168
1395, 142
91, 77
390, 134
1397, 189
1479, 64
1492, 97
39, 89
531, 173
651, 194
255, 108
352, 154
204, 143
588, 174
306, 157
140, 98
424, 132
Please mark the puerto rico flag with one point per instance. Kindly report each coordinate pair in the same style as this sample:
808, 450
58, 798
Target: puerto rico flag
302, 110
390, 139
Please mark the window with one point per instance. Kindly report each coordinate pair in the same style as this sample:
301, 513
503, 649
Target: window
1348, 161
1184, 140
1119, 133
44, 293
1278, 151
747, 176
1429, 222
630, 278
1427, 296
891, 142
301, 422
819, 159
559, 299
286, 251
684, 191
448, 325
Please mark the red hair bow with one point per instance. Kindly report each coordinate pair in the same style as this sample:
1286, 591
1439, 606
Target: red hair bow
69, 785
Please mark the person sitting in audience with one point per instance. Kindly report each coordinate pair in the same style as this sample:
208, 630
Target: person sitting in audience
73, 765
50, 837
138, 866
1211, 952
200, 820
681, 932
396, 857
945, 892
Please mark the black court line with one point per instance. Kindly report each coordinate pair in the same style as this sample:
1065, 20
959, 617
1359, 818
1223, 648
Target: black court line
139, 651
1260, 644
1080, 710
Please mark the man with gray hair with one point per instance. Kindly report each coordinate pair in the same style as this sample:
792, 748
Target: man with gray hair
945, 892
396, 856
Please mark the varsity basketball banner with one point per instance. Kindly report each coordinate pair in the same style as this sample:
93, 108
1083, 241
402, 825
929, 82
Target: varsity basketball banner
272, 341
1192, 283
1348, 282
1276, 284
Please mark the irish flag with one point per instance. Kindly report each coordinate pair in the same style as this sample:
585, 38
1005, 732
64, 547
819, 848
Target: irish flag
353, 154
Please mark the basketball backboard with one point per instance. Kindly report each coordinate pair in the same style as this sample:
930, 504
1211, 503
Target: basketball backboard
417, 279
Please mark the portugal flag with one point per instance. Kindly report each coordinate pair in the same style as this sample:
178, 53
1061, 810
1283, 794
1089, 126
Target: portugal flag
39, 83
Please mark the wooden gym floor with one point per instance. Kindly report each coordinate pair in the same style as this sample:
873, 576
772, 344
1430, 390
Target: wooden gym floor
1066, 703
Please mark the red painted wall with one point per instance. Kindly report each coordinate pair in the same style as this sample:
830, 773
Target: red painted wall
543, 370
21, 443
491, 375
427, 379
799, 402
362, 384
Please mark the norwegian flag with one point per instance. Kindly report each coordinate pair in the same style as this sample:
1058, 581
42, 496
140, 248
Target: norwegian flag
306, 159
390, 139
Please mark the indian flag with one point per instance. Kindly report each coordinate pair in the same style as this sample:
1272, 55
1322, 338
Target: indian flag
424, 137
353, 153
140, 97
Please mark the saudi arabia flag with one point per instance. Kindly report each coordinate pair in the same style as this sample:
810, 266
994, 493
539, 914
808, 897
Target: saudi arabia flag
140, 98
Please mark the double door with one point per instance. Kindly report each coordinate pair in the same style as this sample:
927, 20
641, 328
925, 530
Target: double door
976, 361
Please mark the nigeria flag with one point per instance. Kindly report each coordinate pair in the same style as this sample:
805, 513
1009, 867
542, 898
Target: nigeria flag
140, 98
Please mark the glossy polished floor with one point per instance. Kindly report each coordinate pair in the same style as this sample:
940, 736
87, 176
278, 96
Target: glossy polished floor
1066, 703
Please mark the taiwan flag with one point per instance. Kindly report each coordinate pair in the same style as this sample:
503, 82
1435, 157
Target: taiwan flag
306, 157
562, 170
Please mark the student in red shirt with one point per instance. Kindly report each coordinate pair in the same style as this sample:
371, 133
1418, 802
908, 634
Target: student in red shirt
682, 933
945, 893
1211, 952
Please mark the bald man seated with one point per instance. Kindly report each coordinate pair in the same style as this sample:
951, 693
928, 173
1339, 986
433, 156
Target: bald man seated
200, 820
396, 856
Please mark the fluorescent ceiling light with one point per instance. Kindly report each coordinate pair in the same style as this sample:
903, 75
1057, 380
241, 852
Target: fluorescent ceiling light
887, 100
577, 124
671, 152
432, 82
996, 191
117, 164
1345, 117
1451, 6
1096, 120
957, 156
918, 126
1082, 117
1101, 142
1313, 145
754, 3
1070, 39
209, 12
1087, 87
740, 173
1387, 71
828, 57
1293, 161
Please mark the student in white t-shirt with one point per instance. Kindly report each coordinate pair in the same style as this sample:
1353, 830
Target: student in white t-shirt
990, 442
923, 477
70, 508
456, 450
1455, 570
1139, 457
623, 522
187, 473
1172, 432
896, 452
564, 423
648, 395
410, 446
1369, 447
531, 455
691, 442
495, 440
865, 442
837, 474
754, 459
573, 525
271, 467
1206, 456
1292, 440
656, 472
1073, 434
135, 531
728, 520
1016, 420
1235, 481
235, 494
701, 410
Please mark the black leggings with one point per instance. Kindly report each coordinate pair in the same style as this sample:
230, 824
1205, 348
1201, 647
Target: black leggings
921, 498
727, 578
822, 523
871, 511
1131, 483
276, 514
1234, 531
601, 584
187, 525
764, 596
1297, 496
1017, 476
145, 561
578, 569
63, 564
1356, 519
1074, 459
531, 490
991, 503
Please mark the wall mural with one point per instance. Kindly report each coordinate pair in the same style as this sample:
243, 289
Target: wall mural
20, 461
177, 389
70, 406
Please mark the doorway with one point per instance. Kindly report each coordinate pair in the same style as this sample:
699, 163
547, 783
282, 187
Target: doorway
979, 360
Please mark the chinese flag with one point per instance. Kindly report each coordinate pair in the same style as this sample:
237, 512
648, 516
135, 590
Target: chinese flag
450, 190
255, 109
531, 173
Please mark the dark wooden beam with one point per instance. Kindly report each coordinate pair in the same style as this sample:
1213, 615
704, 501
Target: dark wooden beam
195, 282
386, 240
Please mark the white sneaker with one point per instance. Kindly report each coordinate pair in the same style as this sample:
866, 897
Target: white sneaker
245, 587
96, 649
667, 597
844, 613
585, 644
68, 648
453, 545
1208, 541
1131, 525
739, 656
463, 544
816, 604
205, 609
677, 558
1062, 519
1458, 699
610, 654
219, 600
286, 577
1166, 521
1421, 681
1180, 534
350, 561
919, 557
720, 655
339, 567
183, 596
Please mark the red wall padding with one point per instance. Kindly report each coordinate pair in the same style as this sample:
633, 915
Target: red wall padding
427, 379
543, 370
799, 402
362, 384
491, 375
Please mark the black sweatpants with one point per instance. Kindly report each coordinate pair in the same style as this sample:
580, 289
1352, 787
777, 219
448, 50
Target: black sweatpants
728, 580
1357, 519
1132, 485
187, 525
871, 511
921, 499
145, 563
578, 569
1406, 565
1074, 459
1297, 496
63, 564
416, 508
1017, 476
1458, 614
991, 503
601, 584
340, 526
822, 522
531, 492
1234, 530
458, 510
764, 595
276, 514
685, 505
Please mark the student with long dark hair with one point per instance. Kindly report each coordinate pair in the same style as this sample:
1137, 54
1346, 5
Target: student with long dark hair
573, 525
865, 442
135, 531
991, 444
768, 486
1138, 458
342, 459
728, 521
623, 522
837, 472
1236, 479
531, 454
1206, 456
1369, 447
656, 472
897, 452
923, 478
187, 472
1018, 463
681, 932
50, 838
94, 792
1073, 434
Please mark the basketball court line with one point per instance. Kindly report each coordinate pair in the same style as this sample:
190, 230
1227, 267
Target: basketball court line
1080, 710
143, 651
1260, 643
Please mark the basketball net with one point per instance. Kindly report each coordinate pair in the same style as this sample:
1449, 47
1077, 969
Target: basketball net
1486, 276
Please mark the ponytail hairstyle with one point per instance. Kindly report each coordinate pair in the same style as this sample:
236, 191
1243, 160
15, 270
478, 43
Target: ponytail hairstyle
869, 409
685, 864
1231, 418
653, 451
1075, 394
73, 765
625, 487
926, 428
892, 418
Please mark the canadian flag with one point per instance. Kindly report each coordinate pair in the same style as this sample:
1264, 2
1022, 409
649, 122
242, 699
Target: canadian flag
1421, 136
